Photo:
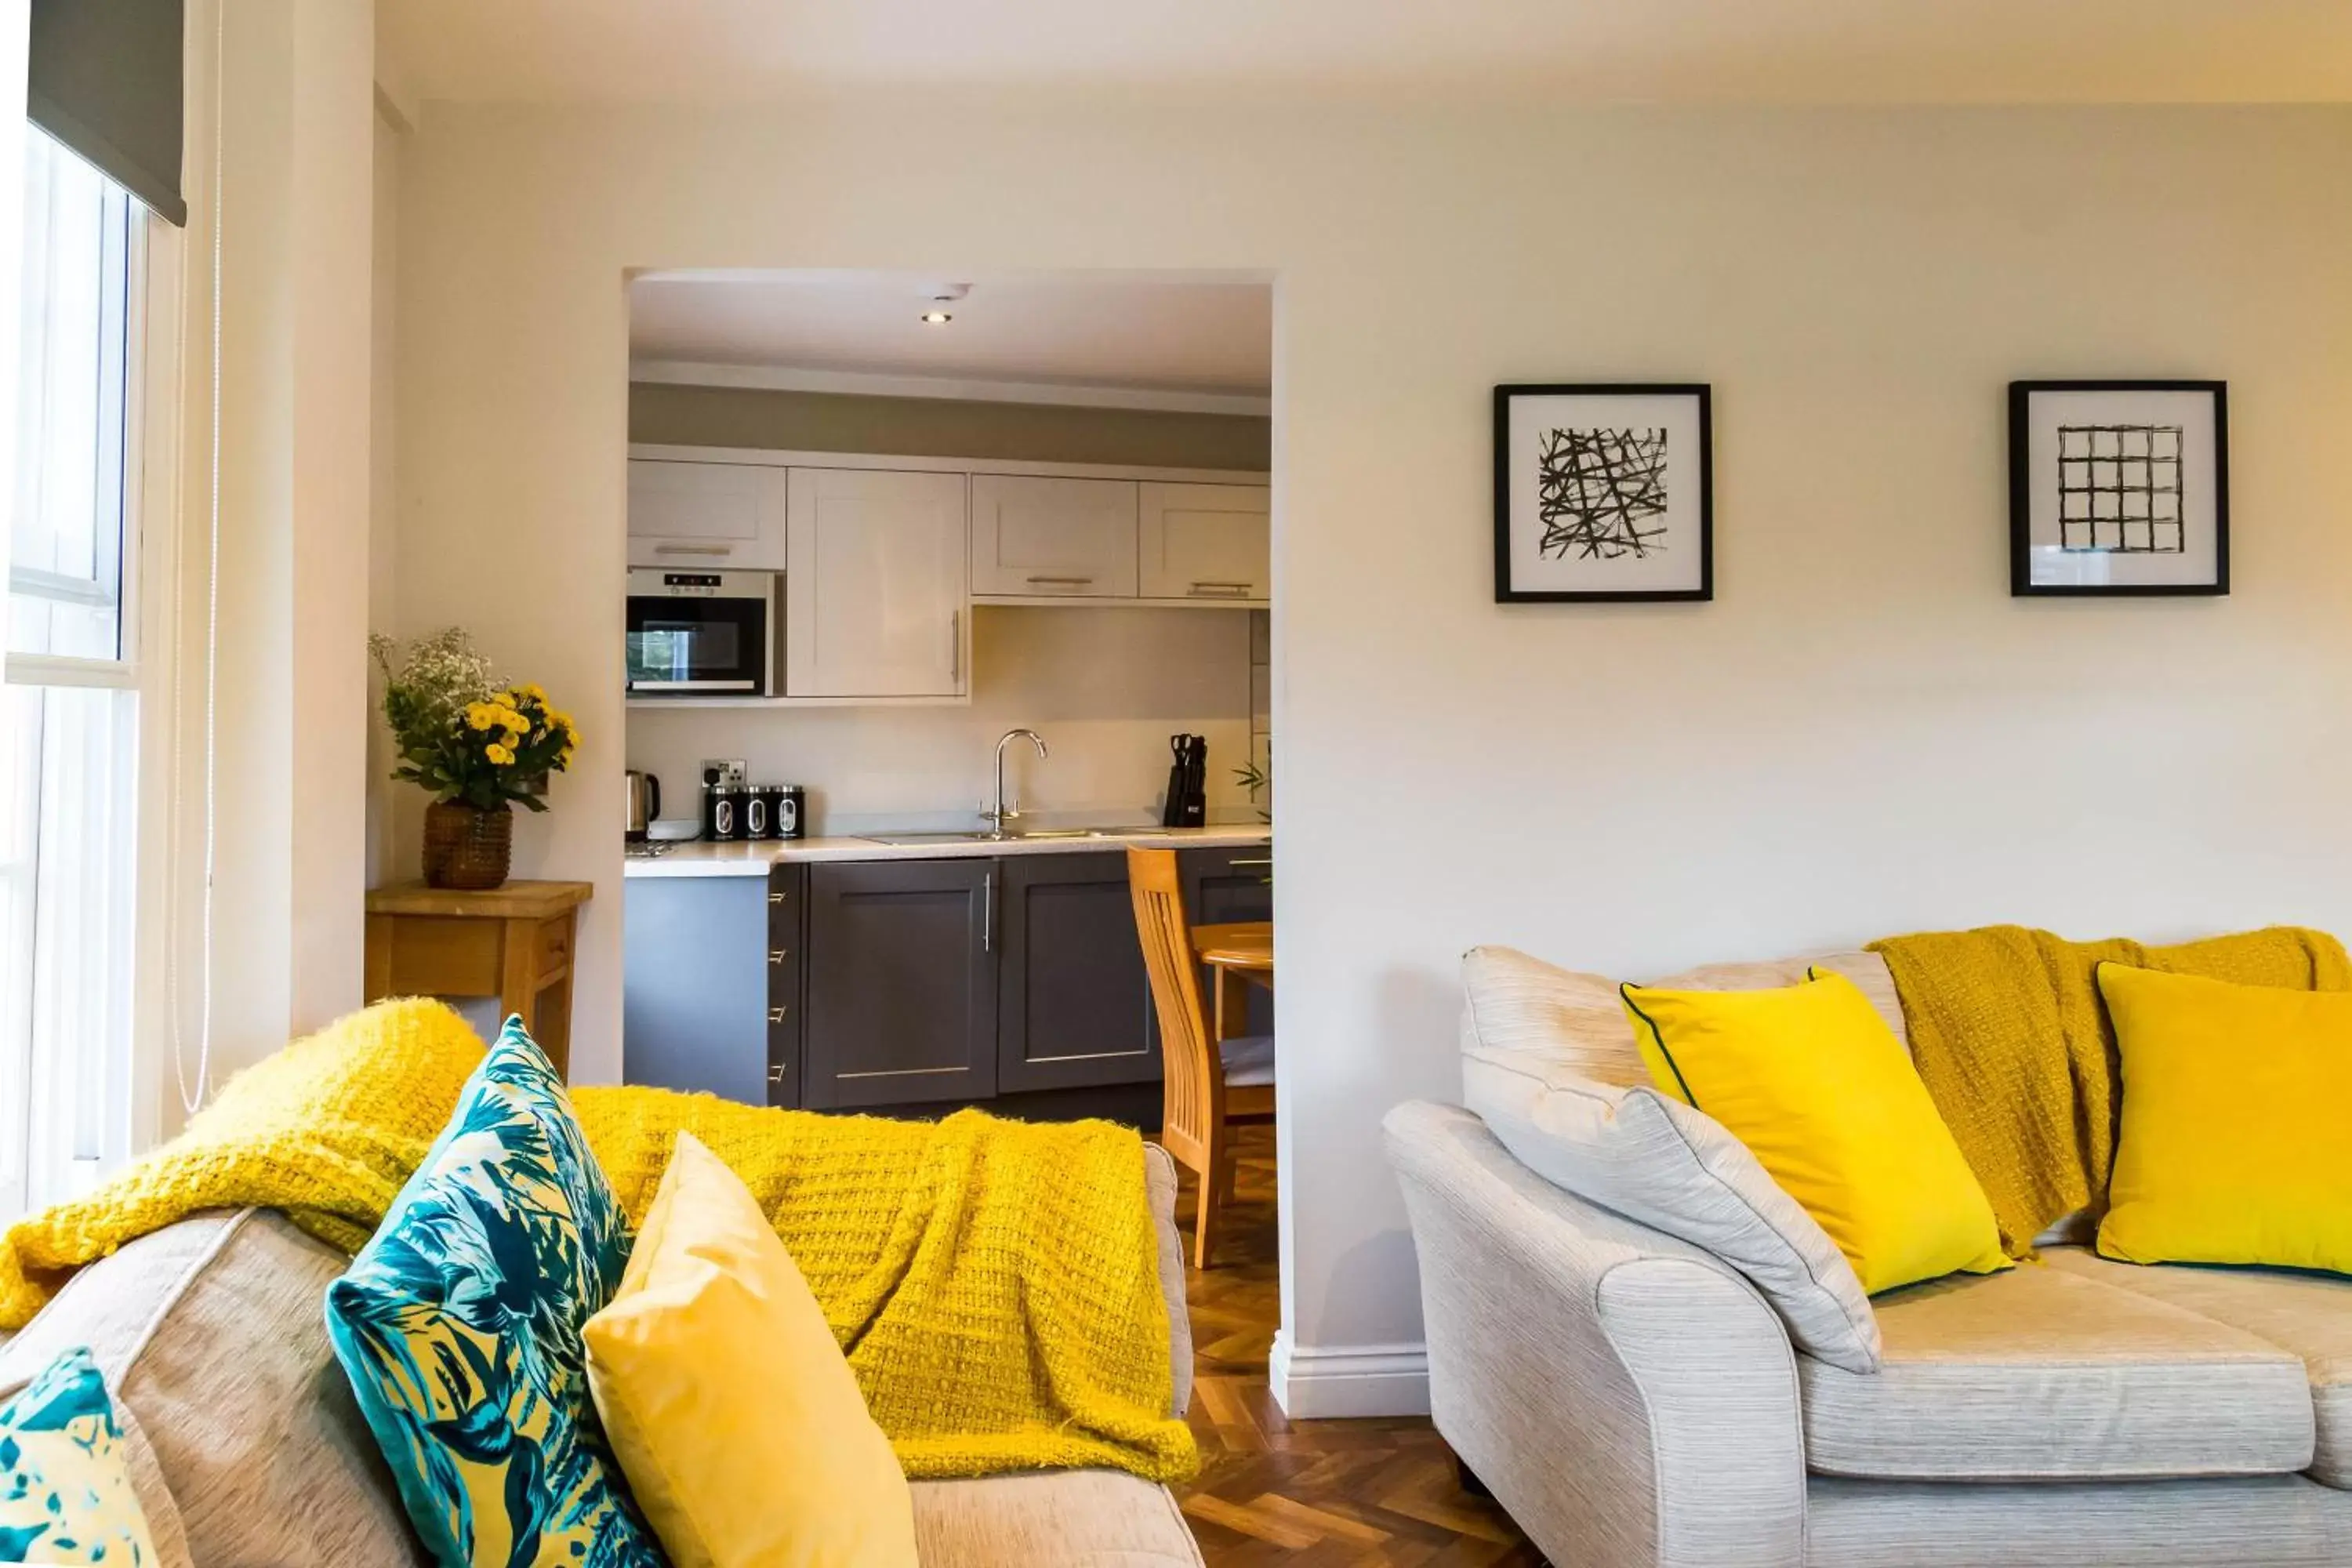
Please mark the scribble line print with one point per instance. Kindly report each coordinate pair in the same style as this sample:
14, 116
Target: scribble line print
1600, 495
2119, 489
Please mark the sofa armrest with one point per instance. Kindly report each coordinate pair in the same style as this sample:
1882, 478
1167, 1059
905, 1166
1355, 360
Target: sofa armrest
1629, 1399
1159, 1186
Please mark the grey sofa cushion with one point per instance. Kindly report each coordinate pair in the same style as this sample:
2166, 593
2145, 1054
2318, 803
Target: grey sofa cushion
1514, 1002
1081, 1519
1159, 1187
2308, 1314
1652, 1159
210, 1329
2248, 1522
2040, 1374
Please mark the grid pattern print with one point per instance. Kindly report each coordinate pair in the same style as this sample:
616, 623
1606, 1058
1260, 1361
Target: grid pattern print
2119, 489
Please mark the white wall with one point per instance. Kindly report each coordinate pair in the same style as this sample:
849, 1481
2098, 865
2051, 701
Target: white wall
296, 193
1864, 732
1104, 687
383, 479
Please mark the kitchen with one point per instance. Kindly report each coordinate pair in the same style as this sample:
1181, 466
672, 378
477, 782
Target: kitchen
943, 595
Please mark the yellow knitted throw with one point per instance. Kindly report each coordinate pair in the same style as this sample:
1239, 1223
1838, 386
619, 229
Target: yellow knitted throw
994, 1284
2014, 1045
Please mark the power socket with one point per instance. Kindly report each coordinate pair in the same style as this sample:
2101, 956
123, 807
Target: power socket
727, 772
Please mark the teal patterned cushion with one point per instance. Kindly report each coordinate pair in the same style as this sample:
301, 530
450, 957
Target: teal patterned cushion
458, 1325
65, 1488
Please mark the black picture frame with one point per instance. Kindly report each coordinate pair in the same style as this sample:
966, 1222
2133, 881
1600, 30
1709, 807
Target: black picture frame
1701, 393
2020, 492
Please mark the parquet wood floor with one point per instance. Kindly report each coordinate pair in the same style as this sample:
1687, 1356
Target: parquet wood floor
1319, 1493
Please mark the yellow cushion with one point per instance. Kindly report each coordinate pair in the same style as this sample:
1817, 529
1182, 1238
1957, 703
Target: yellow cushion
728, 1403
2236, 1144
1813, 1081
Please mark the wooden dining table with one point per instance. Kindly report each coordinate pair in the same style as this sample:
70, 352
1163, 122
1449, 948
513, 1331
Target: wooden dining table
1242, 953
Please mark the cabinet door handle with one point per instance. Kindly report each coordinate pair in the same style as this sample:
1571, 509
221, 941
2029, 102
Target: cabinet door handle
955, 647
1059, 582
778, 955
1221, 590
776, 1014
776, 898
694, 550
988, 912
776, 1073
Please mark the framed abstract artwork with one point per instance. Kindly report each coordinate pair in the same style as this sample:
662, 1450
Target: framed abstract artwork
2118, 486
1604, 491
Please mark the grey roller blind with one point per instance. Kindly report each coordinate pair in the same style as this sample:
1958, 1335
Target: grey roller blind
104, 78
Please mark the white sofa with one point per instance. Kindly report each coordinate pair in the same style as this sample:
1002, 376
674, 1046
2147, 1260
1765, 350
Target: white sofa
1631, 1398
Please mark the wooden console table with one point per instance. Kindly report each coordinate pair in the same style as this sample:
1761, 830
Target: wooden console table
512, 943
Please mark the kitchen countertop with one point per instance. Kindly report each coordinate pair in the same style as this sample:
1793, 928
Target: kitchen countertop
752, 858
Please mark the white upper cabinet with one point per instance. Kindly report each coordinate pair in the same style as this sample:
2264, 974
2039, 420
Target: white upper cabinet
1206, 542
1052, 538
716, 516
876, 590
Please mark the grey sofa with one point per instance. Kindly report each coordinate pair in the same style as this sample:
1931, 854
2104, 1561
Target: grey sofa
248, 1450
1633, 1399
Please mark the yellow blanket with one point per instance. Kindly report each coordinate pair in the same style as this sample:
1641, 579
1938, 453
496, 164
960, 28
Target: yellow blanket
994, 1284
2013, 1042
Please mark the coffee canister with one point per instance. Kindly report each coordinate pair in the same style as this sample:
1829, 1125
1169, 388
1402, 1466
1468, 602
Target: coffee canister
760, 810
789, 817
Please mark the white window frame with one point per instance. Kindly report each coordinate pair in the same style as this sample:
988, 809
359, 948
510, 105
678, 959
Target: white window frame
128, 1087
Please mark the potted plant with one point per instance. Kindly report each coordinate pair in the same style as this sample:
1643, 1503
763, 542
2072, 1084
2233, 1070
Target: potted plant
477, 744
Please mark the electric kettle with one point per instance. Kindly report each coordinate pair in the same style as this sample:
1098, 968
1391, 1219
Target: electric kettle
645, 804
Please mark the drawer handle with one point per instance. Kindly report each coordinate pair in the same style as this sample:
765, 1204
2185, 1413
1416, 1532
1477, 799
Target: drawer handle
1237, 864
1060, 582
776, 898
776, 1014
1221, 590
776, 1073
778, 955
694, 550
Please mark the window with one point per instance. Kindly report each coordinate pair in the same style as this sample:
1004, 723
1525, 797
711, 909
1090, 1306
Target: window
69, 711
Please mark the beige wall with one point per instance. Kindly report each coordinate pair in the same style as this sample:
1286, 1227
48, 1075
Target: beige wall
1863, 734
383, 484
941, 427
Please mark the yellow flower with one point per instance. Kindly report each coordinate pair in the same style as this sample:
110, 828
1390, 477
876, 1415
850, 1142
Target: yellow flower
532, 689
478, 714
563, 758
499, 754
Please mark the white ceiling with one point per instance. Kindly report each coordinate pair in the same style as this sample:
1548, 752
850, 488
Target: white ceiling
1122, 329
1830, 51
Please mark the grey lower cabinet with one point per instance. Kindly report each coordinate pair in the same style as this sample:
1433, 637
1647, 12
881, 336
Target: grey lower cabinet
846, 985
1074, 1006
1222, 887
901, 983
694, 985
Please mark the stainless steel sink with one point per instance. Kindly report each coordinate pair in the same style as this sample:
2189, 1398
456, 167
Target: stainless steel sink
985, 836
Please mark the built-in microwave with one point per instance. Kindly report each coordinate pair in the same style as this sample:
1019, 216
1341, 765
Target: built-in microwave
702, 634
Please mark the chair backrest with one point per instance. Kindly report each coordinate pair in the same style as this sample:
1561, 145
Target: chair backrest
1193, 1086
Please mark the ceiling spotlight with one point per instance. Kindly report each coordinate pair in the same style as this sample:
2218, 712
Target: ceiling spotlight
936, 317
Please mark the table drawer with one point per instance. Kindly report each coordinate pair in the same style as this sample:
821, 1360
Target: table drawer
554, 946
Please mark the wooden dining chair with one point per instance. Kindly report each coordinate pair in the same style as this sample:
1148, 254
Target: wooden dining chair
1208, 1084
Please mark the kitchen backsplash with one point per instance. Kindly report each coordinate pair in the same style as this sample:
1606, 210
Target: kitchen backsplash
1105, 687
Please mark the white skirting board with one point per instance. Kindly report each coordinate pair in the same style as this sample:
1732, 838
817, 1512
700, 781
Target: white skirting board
1312, 1384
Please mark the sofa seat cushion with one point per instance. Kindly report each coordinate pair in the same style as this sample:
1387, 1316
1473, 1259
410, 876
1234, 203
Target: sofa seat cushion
2040, 1375
2307, 1314
1051, 1519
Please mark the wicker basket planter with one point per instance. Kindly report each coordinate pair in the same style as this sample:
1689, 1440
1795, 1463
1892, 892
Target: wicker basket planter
465, 847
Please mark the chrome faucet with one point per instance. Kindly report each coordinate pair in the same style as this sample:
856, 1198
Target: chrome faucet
1000, 816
